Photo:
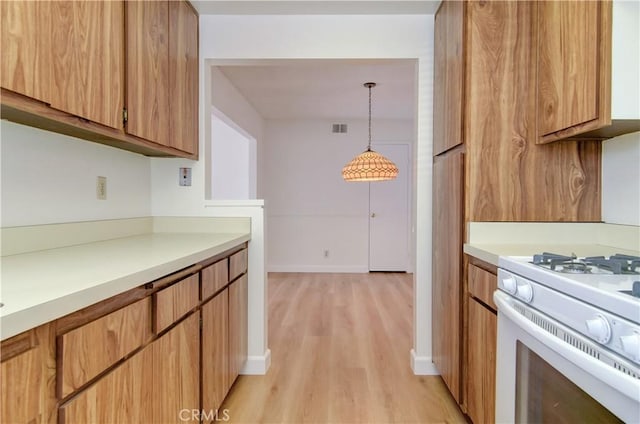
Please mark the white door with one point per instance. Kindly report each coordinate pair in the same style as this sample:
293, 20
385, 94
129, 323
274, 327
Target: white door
389, 214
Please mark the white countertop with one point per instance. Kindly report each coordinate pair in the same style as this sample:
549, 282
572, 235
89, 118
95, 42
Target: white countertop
489, 253
41, 286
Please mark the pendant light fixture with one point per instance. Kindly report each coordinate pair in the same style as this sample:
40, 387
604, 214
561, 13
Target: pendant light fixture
369, 165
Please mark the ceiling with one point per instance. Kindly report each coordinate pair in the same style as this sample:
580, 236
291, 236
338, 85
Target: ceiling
324, 89
327, 89
307, 7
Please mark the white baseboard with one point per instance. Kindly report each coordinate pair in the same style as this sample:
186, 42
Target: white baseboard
257, 365
318, 268
422, 365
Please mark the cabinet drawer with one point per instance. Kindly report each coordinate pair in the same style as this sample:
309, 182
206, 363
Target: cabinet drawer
237, 264
214, 277
89, 350
482, 284
175, 301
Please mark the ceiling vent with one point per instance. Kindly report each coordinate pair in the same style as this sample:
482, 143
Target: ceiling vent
339, 128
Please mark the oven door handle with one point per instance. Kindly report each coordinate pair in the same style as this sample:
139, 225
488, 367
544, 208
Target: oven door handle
603, 372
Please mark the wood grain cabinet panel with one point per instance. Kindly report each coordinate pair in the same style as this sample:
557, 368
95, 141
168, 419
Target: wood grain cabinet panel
183, 76
147, 29
573, 67
175, 301
238, 309
124, 395
447, 275
214, 277
481, 363
176, 371
215, 351
482, 284
448, 84
89, 350
508, 176
25, 42
238, 264
27, 375
162, 73
88, 60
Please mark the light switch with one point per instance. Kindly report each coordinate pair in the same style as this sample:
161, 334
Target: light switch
185, 177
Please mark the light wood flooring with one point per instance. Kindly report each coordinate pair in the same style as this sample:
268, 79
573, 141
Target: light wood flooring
340, 348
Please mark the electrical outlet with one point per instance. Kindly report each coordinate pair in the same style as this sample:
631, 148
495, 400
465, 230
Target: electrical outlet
101, 188
184, 177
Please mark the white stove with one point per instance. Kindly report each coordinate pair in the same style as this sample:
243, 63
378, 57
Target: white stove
579, 317
598, 287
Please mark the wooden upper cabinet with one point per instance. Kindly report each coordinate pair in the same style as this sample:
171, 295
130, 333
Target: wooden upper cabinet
25, 42
162, 73
183, 77
88, 60
147, 28
448, 76
573, 68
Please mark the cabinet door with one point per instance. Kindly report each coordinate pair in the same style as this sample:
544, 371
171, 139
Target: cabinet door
176, 371
124, 395
237, 326
25, 42
573, 67
88, 59
147, 28
28, 365
215, 351
447, 263
448, 76
183, 76
87, 351
481, 363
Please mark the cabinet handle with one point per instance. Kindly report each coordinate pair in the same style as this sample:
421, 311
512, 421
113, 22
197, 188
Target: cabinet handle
373, 215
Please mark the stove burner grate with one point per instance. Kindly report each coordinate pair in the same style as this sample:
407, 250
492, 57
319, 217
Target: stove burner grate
570, 267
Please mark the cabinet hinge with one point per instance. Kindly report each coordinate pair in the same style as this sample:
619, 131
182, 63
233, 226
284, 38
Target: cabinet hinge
125, 116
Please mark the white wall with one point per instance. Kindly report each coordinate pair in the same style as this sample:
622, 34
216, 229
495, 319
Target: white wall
229, 38
621, 180
231, 176
310, 207
51, 178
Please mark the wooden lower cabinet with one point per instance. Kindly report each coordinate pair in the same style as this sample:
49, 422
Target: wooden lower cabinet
215, 351
176, 372
125, 395
154, 385
480, 376
106, 364
481, 363
238, 309
28, 378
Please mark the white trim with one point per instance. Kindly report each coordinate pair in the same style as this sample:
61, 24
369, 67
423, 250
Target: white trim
257, 365
422, 365
318, 268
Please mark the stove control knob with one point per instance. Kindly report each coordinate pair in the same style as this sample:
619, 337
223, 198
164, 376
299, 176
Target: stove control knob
524, 291
599, 329
510, 285
631, 345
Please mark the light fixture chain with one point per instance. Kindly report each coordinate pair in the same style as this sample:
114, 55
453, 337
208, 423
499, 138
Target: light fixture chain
369, 148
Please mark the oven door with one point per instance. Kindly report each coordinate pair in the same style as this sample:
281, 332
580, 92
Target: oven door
541, 378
